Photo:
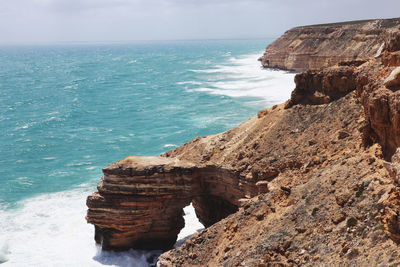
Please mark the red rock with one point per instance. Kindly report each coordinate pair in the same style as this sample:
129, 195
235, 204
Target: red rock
317, 46
322, 86
140, 200
294, 160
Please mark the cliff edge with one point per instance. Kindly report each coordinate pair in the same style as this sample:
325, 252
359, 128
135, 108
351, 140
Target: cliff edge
324, 45
313, 181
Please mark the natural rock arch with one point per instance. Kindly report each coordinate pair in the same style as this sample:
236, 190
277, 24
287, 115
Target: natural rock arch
140, 200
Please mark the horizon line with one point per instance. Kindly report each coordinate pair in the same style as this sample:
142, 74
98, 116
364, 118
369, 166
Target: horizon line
28, 43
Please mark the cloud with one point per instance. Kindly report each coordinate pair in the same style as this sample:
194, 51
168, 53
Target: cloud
113, 20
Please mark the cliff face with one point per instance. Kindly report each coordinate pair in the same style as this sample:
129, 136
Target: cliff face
338, 201
140, 200
316, 46
313, 181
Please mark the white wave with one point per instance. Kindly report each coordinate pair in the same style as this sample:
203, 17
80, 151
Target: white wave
139, 83
192, 224
189, 82
26, 126
51, 230
244, 77
23, 181
169, 145
4, 252
79, 79
205, 71
91, 168
74, 164
203, 89
34, 123
74, 86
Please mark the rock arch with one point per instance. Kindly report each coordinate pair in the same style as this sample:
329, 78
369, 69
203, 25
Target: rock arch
140, 200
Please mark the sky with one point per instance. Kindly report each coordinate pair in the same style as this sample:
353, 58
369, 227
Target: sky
52, 21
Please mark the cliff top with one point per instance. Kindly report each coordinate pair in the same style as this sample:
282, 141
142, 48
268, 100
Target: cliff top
384, 22
324, 45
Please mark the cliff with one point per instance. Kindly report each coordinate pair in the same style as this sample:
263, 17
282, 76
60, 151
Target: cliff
140, 200
313, 181
317, 46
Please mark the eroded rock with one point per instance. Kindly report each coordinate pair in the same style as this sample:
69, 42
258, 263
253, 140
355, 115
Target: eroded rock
318, 46
322, 86
393, 80
325, 196
140, 200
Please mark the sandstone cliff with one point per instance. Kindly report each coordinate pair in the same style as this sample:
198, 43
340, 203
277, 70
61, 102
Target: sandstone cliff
316, 46
313, 181
334, 199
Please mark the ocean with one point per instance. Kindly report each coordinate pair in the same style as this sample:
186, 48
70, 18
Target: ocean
68, 110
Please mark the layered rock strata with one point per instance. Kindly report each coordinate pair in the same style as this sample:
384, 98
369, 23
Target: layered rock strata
315, 181
316, 46
140, 200
339, 205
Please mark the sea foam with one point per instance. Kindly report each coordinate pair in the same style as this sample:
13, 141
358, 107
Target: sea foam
50, 230
243, 77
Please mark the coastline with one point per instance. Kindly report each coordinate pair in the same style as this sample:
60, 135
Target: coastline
285, 193
23, 220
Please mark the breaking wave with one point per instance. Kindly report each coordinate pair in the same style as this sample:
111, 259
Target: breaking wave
243, 77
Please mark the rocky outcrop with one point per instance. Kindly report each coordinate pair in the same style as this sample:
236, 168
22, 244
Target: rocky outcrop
317, 46
140, 200
393, 80
338, 205
314, 181
321, 87
377, 83
378, 88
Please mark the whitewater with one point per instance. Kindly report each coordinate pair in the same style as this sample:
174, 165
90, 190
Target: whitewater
68, 111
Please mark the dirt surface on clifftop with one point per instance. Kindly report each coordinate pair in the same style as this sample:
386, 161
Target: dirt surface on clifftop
325, 198
333, 196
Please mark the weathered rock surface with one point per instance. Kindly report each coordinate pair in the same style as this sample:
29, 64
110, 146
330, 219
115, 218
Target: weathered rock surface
321, 87
337, 206
340, 207
316, 46
140, 200
393, 80
314, 181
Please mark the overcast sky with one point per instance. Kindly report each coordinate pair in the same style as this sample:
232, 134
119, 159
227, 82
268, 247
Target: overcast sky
49, 21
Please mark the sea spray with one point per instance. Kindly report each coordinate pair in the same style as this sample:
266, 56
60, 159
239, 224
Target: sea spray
241, 78
3, 250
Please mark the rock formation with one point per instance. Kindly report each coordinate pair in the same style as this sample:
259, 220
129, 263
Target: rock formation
140, 200
313, 181
317, 46
317, 87
339, 205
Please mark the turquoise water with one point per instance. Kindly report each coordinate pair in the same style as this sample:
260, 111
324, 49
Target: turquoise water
66, 111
